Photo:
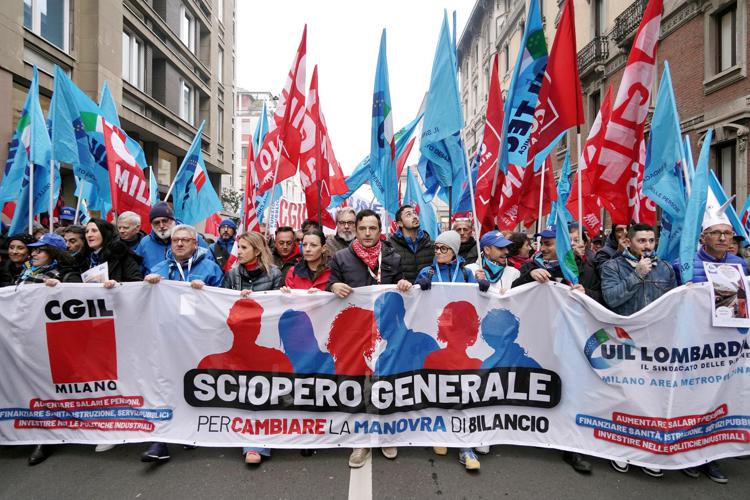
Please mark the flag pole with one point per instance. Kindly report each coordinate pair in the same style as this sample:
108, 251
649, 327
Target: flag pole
320, 217
31, 198
78, 207
541, 197
51, 193
279, 146
580, 189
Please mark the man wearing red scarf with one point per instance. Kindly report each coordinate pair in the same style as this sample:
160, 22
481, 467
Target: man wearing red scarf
367, 261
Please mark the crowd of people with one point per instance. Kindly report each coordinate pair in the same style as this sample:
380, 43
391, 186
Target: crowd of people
618, 269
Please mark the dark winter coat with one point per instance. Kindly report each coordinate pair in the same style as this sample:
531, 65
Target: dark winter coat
347, 268
468, 251
9, 273
239, 278
123, 264
413, 261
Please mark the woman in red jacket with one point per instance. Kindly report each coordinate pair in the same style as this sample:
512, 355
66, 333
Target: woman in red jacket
312, 272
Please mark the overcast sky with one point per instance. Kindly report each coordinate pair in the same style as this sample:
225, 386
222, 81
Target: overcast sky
342, 39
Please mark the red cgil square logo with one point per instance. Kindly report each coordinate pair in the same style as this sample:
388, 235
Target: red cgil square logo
82, 351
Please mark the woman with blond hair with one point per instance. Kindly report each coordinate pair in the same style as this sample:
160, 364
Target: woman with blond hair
254, 271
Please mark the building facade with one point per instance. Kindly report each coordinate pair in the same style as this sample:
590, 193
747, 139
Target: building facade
168, 63
705, 41
248, 107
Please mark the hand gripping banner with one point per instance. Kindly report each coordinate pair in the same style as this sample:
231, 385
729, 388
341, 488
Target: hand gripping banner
540, 366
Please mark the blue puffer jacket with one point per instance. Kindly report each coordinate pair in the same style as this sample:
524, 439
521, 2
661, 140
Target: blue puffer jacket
154, 250
199, 267
453, 272
625, 292
699, 274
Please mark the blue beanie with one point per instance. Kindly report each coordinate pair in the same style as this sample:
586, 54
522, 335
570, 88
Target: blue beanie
228, 222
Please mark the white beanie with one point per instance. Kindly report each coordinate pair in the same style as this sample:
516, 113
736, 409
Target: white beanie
715, 214
450, 238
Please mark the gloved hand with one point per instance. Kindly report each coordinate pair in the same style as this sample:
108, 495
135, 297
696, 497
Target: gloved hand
484, 285
425, 282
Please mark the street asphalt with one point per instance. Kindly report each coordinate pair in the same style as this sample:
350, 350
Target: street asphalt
75, 471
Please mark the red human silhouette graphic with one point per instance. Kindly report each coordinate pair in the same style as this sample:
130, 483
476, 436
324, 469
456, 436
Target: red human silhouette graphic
351, 340
458, 326
244, 322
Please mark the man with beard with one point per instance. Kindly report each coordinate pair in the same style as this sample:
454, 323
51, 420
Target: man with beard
468, 249
153, 247
223, 246
411, 242
344, 230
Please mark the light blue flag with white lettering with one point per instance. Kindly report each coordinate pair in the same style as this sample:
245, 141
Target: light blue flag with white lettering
523, 93
565, 255
261, 129
443, 118
662, 176
413, 196
382, 166
696, 207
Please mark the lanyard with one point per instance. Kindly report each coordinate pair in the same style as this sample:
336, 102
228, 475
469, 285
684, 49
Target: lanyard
179, 268
376, 277
440, 275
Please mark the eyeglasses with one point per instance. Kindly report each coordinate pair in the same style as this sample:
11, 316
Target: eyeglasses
184, 241
442, 249
719, 234
346, 222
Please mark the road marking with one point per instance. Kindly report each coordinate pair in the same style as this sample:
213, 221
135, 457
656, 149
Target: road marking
360, 481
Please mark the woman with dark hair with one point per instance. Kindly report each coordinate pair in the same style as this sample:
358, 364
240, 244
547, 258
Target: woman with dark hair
123, 265
312, 272
519, 252
18, 253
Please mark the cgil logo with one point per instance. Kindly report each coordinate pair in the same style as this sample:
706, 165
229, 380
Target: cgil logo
81, 341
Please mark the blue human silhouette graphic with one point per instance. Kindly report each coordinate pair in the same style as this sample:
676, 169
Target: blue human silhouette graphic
298, 337
500, 331
406, 349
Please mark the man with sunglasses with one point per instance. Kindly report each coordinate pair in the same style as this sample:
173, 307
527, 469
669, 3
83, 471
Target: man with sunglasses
286, 252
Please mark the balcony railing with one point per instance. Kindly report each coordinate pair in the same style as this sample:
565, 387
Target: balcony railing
596, 51
627, 22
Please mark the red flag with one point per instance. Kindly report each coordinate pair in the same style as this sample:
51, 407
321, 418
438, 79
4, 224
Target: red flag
212, 225
528, 207
250, 216
316, 157
623, 137
589, 161
289, 119
127, 182
510, 194
560, 105
486, 207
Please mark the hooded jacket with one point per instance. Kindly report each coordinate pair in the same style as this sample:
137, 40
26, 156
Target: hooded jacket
301, 277
153, 250
455, 271
221, 250
123, 264
699, 273
198, 267
415, 255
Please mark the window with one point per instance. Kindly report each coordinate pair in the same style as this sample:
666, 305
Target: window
725, 163
187, 102
132, 60
506, 58
726, 37
595, 102
220, 67
220, 126
48, 19
187, 28
244, 153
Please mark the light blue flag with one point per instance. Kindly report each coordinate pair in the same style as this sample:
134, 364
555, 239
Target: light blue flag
443, 118
565, 255
731, 213
261, 129
669, 238
413, 196
744, 215
696, 207
523, 93
563, 192
34, 151
361, 172
153, 187
662, 176
193, 196
383, 179
689, 156
262, 201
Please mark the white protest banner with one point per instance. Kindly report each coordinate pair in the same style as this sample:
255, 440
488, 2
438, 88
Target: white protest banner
539, 366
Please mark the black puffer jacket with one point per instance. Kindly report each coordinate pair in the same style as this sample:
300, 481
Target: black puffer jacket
123, 264
412, 263
469, 251
347, 268
9, 273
